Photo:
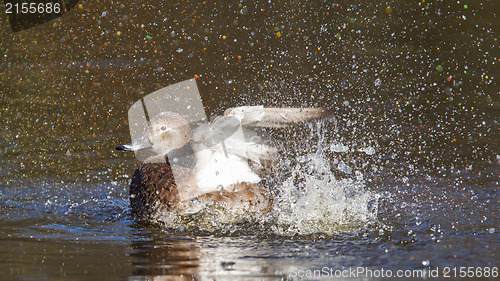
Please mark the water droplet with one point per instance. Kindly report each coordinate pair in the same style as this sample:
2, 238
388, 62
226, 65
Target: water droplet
368, 150
359, 175
339, 147
343, 167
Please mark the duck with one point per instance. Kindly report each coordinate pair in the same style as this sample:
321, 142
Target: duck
220, 164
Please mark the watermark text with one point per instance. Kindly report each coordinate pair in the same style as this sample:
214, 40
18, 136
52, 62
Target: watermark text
366, 272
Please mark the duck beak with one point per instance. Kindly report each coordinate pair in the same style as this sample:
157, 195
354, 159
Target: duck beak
125, 147
140, 143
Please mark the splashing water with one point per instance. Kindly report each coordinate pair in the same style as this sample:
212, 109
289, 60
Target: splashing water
313, 200
308, 199
321, 203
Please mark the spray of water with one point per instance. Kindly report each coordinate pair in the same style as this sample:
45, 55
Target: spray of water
320, 203
312, 200
308, 197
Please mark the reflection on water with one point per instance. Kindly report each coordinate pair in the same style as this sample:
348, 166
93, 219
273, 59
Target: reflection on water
206, 257
413, 85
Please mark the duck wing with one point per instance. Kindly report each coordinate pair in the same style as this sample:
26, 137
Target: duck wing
260, 116
225, 136
228, 150
227, 154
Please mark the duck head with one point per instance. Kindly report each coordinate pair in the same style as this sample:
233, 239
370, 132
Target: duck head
165, 132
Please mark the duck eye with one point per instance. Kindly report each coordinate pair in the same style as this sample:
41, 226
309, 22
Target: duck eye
163, 128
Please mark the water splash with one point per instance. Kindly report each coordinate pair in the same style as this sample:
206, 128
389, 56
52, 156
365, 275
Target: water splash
309, 198
313, 200
321, 203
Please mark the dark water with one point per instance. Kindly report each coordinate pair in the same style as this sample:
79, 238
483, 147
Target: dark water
415, 80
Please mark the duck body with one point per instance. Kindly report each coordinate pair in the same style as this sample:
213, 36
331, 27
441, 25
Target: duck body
226, 168
155, 196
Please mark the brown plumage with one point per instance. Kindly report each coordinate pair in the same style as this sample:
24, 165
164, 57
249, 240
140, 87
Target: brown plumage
154, 195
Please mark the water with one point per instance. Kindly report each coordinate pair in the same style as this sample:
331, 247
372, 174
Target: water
405, 178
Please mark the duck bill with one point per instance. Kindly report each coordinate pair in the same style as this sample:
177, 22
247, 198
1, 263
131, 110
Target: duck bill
125, 147
138, 144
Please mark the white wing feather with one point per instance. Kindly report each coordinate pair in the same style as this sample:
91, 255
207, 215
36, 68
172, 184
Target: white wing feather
223, 151
259, 116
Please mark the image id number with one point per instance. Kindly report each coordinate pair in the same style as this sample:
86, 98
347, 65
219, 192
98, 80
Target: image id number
470, 271
33, 8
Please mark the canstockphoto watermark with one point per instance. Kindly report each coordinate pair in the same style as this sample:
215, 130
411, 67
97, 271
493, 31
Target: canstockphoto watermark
365, 272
